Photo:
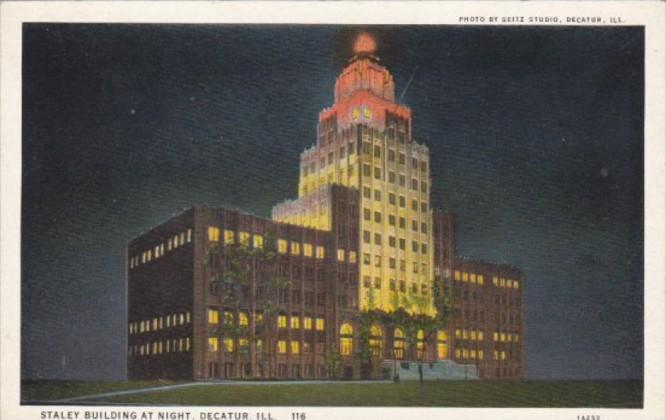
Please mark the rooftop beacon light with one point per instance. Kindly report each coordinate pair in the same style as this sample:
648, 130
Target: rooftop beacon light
364, 44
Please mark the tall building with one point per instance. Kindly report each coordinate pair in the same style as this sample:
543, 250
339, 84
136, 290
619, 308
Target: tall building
365, 142
334, 284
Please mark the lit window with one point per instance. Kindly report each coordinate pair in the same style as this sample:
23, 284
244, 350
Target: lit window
307, 323
472, 278
472, 335
346, 332
472, 354
341, 255
516, 285
320, 252
319, 324
257, 241
479, 335
352, 257
295, 322
229, 345
228, 318
458, 334
479, 354
229, 236
243, 319
212, 344
244, 238
495, 281
398, 344
295, 248
465, 276
259, 318
187, 317
244, 345
282, 321
307, 250
457, 275
479, 279
502, 337
282, 346
282, 246
189, 235
457, 353
465, 335
495, 336
502, 282
213, 316
295, 347
442, 345
503, 354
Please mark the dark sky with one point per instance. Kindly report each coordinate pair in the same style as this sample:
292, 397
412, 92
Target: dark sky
535, 133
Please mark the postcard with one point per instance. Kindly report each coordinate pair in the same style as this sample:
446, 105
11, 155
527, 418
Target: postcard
312, 210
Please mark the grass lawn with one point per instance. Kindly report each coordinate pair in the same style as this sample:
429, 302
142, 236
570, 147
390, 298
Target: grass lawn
39, 390
612, 394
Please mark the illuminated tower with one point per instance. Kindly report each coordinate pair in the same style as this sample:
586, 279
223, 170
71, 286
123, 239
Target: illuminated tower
365, 142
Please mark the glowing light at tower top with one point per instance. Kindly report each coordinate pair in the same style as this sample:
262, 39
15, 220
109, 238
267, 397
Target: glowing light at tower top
364, 44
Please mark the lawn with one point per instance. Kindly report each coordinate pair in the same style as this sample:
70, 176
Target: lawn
611, 394
39, 390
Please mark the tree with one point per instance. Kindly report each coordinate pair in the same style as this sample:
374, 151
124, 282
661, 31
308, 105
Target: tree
333, 361
367, 319
237, 268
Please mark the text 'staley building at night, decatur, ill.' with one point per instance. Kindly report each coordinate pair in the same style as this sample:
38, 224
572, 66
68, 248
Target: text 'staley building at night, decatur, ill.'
316, 291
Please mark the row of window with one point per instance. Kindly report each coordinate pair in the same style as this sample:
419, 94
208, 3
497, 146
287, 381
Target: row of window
376, 172
284, 246
351, 255
295, 322
376, 151
394, 200
158, 323
367, 215
244, 238
466, 334
393, 285
243, 320
367, 260
472, 354
229, 345
159, 250
505, 337
312, 167
465, 277
367, 149
393, 242
508, 283
294, 248
174, 345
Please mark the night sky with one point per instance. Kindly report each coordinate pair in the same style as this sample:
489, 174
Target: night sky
535, 134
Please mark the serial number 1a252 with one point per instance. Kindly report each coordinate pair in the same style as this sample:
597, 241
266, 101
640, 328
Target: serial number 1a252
588, 417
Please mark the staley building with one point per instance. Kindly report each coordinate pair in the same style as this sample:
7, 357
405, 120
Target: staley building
216, 293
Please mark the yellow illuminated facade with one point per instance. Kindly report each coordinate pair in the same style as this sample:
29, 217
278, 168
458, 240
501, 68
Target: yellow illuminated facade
365, 142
